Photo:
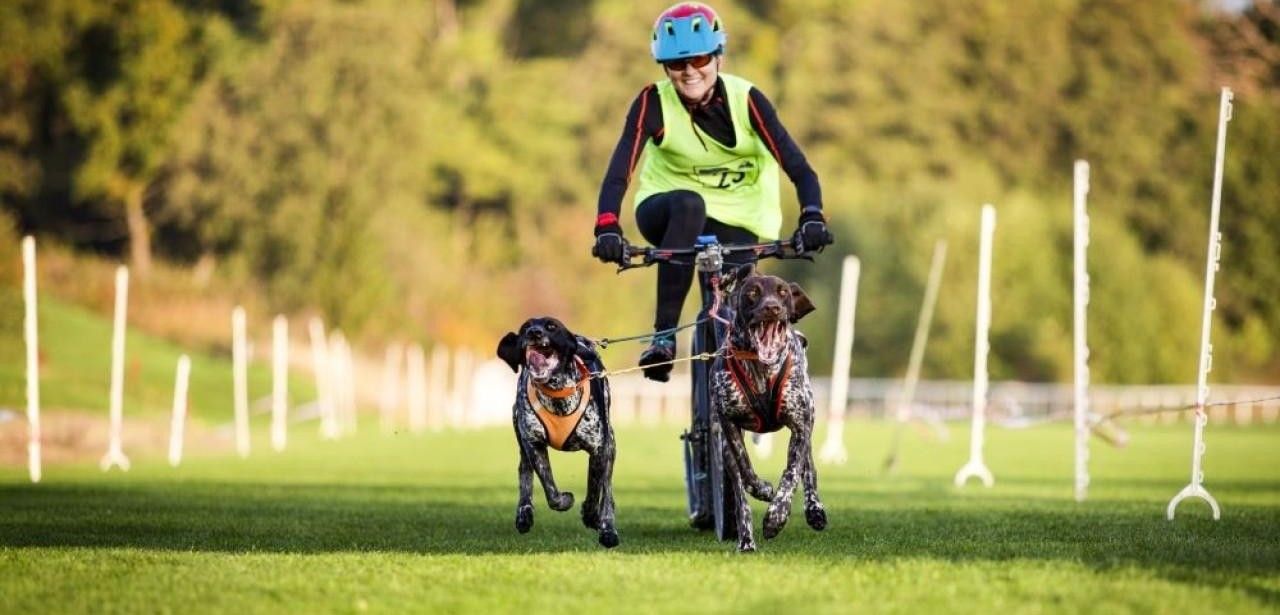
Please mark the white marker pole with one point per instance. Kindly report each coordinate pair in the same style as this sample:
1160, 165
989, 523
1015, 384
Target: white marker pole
115, 449
240, 380
177, 425
903, 414
351, 403
981, 347
279, 382
1196, 488
389, 398
437, 384
320, 368
416, 395
338, 378
833, 450
463, 372
1081, 344
30, 330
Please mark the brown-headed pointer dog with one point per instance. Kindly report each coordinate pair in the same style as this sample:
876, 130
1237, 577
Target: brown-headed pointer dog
559, 404
761, 384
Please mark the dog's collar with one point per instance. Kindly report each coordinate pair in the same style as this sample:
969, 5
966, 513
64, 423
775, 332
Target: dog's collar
584, 377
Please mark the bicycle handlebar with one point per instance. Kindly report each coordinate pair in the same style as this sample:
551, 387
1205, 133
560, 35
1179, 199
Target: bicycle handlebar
649, 256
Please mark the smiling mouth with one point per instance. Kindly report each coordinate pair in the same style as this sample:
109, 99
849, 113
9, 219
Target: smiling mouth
770, 339
540, 360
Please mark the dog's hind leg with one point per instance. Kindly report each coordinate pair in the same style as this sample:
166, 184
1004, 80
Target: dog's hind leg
596, 481
797, 458
524, 506
597, 511
814, 513
558, 500
759, 488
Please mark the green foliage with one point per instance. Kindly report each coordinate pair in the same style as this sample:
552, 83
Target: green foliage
430, 170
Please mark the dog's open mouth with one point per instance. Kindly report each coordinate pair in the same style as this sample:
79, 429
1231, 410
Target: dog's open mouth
770, 339
540, 360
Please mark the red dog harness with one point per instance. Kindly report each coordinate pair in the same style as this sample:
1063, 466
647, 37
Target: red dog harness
560, 426
766, 404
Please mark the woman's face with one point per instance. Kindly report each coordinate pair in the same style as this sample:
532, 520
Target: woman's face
693, 82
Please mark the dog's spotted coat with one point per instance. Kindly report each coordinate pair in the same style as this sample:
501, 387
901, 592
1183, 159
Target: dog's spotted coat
546, 352
763, 310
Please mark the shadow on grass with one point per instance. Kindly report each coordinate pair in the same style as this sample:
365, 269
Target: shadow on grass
1241, 551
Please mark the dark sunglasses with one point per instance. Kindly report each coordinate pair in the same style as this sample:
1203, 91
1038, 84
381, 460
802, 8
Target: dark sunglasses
676, 66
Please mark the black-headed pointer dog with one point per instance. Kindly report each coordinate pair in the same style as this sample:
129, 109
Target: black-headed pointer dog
559, 404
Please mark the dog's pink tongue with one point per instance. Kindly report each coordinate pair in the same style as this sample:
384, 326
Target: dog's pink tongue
537, 362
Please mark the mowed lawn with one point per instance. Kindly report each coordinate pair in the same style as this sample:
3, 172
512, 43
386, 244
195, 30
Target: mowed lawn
425, 523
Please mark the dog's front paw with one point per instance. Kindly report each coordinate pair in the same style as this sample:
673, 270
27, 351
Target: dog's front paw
817, 517
609, 538
774, 520
590, 519
746, 545
561, 502
762, 491
524, 518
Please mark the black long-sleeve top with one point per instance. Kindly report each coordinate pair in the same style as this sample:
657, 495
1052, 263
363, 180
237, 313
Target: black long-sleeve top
644, 121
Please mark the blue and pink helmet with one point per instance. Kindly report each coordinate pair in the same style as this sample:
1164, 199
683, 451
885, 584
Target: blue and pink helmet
687, 29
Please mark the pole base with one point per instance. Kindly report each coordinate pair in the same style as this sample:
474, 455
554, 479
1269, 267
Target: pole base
1193, 490
833, 451
114, 457
974, 468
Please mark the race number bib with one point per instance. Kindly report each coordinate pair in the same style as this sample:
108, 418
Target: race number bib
729, 175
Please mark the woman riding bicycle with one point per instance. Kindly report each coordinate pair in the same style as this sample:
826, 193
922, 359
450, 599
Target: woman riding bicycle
712, 147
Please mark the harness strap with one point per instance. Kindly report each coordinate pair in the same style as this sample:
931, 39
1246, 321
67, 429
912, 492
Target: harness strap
560, 426
765, 419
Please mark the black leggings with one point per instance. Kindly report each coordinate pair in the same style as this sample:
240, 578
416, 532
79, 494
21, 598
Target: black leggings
675, 220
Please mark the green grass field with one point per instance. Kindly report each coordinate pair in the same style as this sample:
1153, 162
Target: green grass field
424, 523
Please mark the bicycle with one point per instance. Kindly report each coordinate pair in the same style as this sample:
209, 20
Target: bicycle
710, 505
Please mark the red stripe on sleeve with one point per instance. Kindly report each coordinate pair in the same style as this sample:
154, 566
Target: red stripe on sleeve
751, 104
635, 147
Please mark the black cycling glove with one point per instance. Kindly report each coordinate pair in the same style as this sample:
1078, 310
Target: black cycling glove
811, 233
611, 246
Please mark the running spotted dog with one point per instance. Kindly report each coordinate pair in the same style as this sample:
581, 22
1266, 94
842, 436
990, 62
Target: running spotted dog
761, 384
559, 404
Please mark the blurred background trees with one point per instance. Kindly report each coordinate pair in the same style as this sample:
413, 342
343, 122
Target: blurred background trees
429, 169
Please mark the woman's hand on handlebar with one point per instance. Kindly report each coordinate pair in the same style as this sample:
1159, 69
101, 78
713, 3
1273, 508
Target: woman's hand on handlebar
611, 247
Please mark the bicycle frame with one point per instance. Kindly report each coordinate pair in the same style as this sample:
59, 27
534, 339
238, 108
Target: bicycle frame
710, 503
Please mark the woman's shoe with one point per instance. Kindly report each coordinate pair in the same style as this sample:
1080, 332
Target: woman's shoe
656, 359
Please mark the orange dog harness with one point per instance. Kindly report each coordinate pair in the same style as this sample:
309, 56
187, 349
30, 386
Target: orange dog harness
560, 426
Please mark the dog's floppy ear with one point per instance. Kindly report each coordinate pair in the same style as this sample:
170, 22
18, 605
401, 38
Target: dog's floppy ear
800, 303
743, 272
509, 351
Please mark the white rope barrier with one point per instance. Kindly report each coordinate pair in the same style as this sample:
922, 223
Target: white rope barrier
240, 380
389, 397
1080, 302
417, 389
977, 467
833, 450
30, 336
177, 425
279, 382
115, 449
1196, 487
918, 343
